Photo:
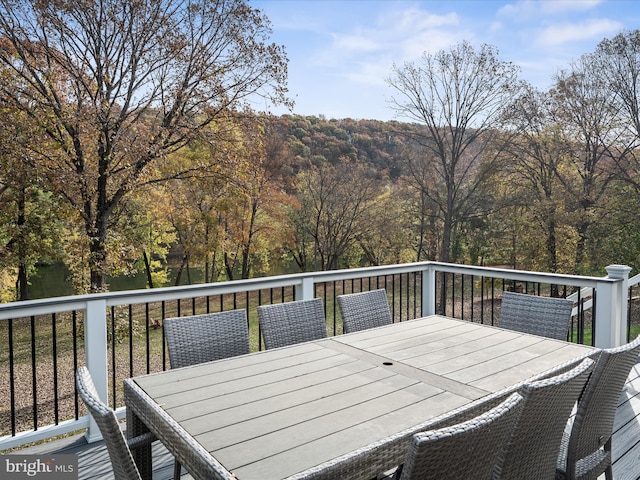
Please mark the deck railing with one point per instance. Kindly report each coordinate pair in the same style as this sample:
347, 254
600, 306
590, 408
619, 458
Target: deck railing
119, 334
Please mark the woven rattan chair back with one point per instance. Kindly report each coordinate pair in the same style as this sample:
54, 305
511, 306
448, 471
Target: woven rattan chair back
204, 338
468, 450
544, 316
364, 310
124, 467
289, 323
586, 447
534, 444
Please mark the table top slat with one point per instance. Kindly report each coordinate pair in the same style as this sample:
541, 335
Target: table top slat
274, 412
354, 372
260, 446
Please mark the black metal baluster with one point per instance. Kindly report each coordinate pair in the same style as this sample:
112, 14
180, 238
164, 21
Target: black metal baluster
453, 295
482, 299
473, 297
130, 313
164, 343
34, 373
113, 357
12, 386
333, 302
629, 305
493, 300
593, 318
74, 328
393, 297
400, 296
259, 328
462, 295
147, 338
56, 407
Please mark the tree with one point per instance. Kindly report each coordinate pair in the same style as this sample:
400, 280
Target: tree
385, 233
421, 182
333, 202
148, 230
255, 201
30, 224
460, 96
532, 170
117, 85
618, 59
589, 121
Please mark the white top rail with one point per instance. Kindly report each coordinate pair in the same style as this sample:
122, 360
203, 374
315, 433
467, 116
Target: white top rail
79, 302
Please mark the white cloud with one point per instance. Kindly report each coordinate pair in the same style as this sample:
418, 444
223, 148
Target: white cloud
414, 19
529, 10
398, 35
559, 6
496, 27
354, 43
560, 34
373, 74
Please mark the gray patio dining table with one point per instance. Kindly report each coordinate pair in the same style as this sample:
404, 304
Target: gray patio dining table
288, 412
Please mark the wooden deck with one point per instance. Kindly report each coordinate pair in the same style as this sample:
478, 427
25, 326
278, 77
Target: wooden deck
94, 461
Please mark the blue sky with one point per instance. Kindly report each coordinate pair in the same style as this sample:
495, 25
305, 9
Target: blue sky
341, 52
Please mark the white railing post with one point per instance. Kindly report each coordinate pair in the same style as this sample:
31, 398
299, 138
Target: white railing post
304, 291
429, 290
621, 272
95, 347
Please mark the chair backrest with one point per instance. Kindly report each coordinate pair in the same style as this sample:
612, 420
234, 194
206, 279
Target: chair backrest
544, 316
592, 427
203, 338
468, 450
124, 467
288, 323
364, 310
533, 447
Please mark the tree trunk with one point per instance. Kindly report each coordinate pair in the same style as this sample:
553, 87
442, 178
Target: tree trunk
581, 244
147, 269
227, 266
188, 267
445, 248
97, 262
180, 270
423, 229
22, 284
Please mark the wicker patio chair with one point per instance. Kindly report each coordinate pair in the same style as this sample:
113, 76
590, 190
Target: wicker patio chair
586, 445
119, 448
204, 338
544, 316
468, 450
289, 323
364, 310
532, 449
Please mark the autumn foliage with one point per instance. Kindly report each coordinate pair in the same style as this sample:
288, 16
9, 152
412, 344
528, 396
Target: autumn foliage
128, 144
